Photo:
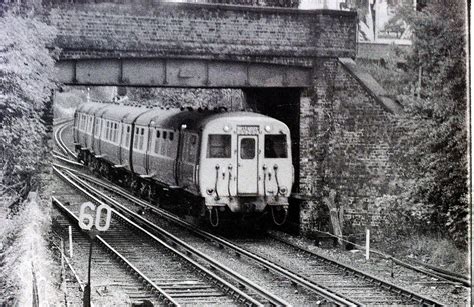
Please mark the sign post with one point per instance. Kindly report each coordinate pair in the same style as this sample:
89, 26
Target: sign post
92, 226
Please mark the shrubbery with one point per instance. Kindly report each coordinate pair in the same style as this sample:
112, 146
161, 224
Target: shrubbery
26, 83
433, 171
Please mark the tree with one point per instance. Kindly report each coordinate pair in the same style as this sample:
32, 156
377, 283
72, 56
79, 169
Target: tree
26, 82
436, 163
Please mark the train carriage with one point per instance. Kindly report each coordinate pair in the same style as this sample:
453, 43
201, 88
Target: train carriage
235, 163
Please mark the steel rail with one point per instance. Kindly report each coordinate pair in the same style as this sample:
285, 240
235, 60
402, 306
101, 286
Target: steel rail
384, 284
59, 141
60, 121
236, 292
222, 242
67, 160
445, 274
76, 276
162, 294
320, 290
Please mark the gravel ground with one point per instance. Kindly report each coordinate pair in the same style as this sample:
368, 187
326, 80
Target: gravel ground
166, 269
382, 268
271, 282
416, 282
111, 283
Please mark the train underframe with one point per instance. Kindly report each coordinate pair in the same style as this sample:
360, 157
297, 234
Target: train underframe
216, 211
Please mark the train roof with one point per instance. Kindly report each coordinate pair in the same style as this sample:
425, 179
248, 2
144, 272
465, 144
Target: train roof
90, 107
171, 118
127, 114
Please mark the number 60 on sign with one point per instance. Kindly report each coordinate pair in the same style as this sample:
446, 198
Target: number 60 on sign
86, 220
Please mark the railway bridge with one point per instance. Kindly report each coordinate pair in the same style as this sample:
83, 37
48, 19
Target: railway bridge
292, 65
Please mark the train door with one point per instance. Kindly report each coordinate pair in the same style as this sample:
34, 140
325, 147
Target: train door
247, 164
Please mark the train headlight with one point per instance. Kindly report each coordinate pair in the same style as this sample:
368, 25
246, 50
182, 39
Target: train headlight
283, 190
210, 191
268, 128
227, 128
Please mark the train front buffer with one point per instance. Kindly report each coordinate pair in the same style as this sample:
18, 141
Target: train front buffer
246, 167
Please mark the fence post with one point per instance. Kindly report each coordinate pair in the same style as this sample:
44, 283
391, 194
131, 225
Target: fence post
70, 242
367, 233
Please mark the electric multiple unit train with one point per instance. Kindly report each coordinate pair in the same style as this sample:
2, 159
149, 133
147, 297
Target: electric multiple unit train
229, 163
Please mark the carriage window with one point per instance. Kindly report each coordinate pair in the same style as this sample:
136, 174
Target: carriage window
135, 140
142, 132
97, 125
115, 132
157, 145
218, 146
157, 134
107, 131
276, 146
191, 149
164, 135
171, 136
127, 137
247, 148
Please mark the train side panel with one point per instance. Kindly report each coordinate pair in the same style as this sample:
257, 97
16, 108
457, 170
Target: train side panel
162, 155
187, 164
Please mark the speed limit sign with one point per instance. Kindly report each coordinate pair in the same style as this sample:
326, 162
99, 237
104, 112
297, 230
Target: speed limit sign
87, 220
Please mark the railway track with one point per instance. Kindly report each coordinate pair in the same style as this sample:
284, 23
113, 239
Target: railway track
203, 286
65, 152
334, 280
312, 272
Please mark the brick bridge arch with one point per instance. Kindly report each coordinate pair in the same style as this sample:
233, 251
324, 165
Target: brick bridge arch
272, 54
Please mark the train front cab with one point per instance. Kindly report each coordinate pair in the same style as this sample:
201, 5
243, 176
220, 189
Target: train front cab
246, 165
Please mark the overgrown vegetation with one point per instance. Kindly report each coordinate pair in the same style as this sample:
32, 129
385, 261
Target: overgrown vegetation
26, 82
433, 170
232, 99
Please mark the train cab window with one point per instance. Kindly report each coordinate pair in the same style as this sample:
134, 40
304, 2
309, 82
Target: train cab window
157, 134
247, 148
218, 146
276, 146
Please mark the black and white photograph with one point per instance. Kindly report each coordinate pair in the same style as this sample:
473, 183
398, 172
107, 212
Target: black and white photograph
235, 153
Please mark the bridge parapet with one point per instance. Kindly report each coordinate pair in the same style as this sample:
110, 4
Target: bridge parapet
202, 31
